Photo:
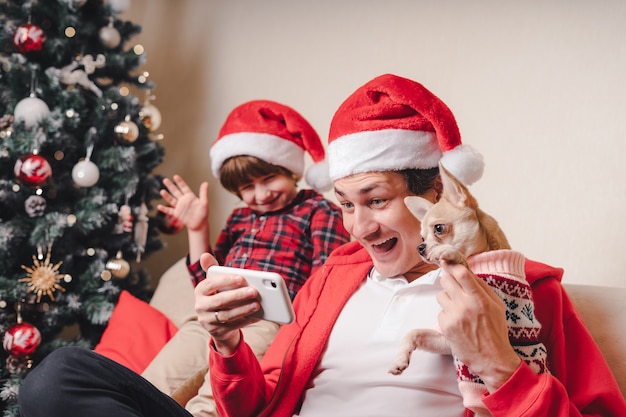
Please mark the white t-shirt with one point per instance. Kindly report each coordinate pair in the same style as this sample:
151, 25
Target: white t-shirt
352, 378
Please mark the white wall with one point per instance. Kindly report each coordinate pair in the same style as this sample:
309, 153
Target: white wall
539, 87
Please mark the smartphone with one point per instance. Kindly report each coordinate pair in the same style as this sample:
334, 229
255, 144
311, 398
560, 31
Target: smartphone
274, 297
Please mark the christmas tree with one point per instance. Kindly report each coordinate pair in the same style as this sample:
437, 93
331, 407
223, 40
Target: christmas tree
77, 151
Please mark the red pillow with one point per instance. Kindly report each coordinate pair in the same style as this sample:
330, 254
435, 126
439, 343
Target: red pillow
135, 334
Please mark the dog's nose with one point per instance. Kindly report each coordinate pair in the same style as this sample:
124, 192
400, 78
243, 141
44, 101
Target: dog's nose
421, 249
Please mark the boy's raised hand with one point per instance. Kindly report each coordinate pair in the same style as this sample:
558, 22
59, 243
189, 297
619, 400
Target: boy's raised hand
192, 211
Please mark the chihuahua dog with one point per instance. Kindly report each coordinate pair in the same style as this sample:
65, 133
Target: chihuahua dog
452, 229
455, 229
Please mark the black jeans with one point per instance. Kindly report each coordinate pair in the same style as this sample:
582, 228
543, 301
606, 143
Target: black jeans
74, 381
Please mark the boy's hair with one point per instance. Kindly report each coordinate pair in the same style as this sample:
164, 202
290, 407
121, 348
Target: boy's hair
243, 169
420, 181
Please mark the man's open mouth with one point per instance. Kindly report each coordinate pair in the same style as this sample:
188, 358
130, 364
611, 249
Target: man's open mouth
385, 246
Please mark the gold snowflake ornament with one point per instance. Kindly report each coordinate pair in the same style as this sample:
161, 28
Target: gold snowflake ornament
43, 277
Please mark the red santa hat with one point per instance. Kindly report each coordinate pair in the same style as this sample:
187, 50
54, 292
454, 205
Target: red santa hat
276, 134
393, 123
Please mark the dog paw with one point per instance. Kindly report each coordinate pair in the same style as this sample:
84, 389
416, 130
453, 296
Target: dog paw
402, 361
398, 368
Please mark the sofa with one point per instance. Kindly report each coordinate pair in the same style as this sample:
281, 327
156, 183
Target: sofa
602, 309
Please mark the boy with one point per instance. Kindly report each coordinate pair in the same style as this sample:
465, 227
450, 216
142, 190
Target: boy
258, 156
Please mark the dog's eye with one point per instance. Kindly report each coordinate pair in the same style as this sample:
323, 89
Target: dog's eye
440, 229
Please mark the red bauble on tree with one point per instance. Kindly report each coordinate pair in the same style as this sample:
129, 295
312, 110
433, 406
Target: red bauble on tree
22, 340
29, 38
33, 170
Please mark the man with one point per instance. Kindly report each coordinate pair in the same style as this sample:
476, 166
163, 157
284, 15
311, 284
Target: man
385, 143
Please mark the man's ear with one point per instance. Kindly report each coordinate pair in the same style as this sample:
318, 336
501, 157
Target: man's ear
438, 187
418, 206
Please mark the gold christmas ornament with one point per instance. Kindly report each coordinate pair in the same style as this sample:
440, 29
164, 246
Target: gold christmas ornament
43, 277
150, 117
118, 266
127, 131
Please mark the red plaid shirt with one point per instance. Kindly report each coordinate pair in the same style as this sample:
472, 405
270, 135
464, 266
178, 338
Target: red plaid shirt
293, 241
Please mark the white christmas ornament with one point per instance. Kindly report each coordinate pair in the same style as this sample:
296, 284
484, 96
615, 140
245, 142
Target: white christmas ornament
110, 37
85, 173
31, 111
119, 5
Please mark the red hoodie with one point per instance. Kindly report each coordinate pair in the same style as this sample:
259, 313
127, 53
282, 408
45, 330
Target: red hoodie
580, 382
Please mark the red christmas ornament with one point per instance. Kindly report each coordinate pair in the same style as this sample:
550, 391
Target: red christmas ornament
29, 38
33, 170
22, 339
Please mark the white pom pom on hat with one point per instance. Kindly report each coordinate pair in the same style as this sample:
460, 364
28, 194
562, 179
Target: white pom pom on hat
275, 133
317, 176
393, 123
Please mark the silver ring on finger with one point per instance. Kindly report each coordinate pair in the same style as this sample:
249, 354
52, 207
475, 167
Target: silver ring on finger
217, 318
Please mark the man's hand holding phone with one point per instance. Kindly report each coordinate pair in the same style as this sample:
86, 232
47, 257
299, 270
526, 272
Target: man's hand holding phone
232, 298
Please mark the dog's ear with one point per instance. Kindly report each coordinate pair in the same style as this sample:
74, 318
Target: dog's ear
418, 206
455, 191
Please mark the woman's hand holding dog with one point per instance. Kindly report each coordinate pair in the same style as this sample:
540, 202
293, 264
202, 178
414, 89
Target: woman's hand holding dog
473, 321
223, 312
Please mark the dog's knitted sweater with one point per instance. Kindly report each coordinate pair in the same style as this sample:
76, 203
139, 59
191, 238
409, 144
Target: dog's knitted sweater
503, 270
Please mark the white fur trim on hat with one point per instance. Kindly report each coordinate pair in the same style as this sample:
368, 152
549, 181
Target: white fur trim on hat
382, 150
270, 148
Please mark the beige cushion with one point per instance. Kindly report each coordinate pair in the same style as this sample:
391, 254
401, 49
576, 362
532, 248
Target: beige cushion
174, 296
603, 310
